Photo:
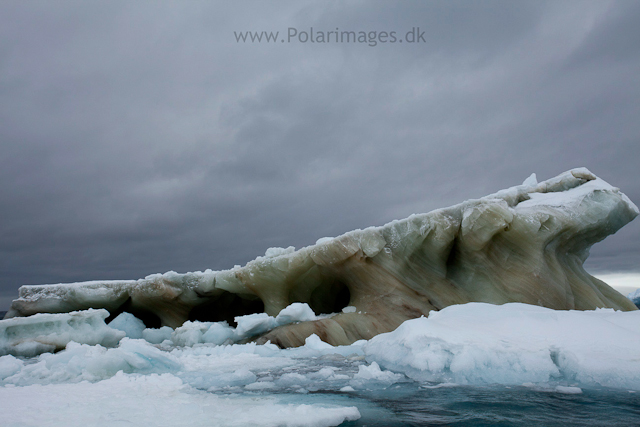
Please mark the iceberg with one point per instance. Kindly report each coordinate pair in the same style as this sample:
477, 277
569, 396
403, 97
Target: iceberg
523, 244
635, 297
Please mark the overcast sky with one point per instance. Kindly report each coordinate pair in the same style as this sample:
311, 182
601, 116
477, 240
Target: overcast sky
140, 137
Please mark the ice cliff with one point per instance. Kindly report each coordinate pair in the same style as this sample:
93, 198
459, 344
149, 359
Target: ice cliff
523, 244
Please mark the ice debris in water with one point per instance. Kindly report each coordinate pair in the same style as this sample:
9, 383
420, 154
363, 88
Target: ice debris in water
476, 343
248, 326
41, 333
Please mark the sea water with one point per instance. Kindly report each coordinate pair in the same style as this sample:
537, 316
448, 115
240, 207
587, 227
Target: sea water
411, 405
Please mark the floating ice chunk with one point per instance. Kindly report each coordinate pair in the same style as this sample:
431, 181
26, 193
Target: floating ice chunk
190, 333
238, 378
129, 324
157, 336
219, 333
260, 385
254, 324
373, 377
40, 333
291, 379
349, 309
259, 323
315, 343
296, 312
9, 365
568, 390
323, 374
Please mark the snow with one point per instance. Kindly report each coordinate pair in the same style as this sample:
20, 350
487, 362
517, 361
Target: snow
515, 343
276, 252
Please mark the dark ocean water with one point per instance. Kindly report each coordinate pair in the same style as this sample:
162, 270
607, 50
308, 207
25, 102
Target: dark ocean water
2, 313
496, 406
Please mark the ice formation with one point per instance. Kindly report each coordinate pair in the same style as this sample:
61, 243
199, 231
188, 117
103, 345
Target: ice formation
523, 244
45, 332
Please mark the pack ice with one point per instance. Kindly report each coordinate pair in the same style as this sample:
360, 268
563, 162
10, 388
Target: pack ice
524, 244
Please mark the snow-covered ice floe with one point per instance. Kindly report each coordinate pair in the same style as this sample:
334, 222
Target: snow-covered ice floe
158, 400
523, 244
515, 343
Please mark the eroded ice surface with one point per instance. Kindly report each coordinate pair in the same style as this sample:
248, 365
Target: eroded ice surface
523, 244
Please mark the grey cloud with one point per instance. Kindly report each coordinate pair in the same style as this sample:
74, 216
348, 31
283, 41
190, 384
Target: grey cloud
140, 137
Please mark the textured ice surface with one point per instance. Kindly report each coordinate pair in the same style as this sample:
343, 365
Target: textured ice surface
29, 336
525, 244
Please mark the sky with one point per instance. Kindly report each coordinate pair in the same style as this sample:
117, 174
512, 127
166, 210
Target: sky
142, 137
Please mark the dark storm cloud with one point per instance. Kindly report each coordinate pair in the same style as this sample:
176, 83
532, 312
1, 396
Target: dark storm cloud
141, 137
